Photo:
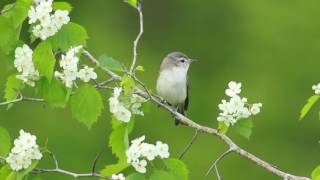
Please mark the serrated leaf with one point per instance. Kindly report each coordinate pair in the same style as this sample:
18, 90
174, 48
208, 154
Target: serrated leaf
13, 86
86, 105
136, 176
139, 68
5, 144
70, 35
44, 59
18, 13
177, 168
132, 2
113, 169
316, 173
10, 26
222, 128
62, 6
161, 175
119, 140
110, 63
306, 108
127, 83
54, 93
243, 127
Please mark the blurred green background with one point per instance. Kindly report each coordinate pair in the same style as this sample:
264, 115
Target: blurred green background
271, 46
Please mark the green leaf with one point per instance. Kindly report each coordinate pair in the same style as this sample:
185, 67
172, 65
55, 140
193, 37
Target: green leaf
311, 101
127, 83
139, 68
62, 6
136, 176
119, 140
316, 173
44, 59
18, 13
177, 168
110, 63
243, 127
13, 86
222, 128
86, 105
21, 174
5, 172
54, 93
5, 144
33, 177
132, 2
70, 35
161, 175
114, 169
10, 25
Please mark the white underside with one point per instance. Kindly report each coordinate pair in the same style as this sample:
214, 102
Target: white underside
171, 85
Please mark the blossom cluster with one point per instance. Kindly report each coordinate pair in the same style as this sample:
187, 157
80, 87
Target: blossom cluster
316, 89
237, 107
24, 64
69, 64
121, 110
118, 177
44, 21
139, 152
24, 151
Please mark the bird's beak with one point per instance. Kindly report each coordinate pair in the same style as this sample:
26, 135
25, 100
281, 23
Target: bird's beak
193, 60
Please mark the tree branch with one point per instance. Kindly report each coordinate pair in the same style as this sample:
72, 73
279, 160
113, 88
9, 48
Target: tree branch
136, 41
185, 150
215, 163
19, 99
62, 171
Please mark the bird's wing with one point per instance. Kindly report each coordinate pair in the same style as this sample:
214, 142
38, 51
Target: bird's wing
186, 102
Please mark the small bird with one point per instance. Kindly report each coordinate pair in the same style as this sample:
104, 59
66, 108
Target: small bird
172, 83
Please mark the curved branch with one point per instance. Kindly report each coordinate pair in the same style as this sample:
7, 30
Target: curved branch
136, 41
21, 98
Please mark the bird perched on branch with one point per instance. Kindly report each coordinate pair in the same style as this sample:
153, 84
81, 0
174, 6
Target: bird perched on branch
172, 83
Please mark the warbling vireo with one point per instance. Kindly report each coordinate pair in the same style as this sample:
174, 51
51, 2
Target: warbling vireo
172, 83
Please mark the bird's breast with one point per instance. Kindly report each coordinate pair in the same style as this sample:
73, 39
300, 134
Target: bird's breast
172, 85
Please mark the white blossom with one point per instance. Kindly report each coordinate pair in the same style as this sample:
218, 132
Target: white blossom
69, 64
316, 89
140, 166
237, 107
255, 108
86, 74
118, 177
139, 152
24, 64
25, 150
122, 114
162, 149
44, 23
149, 151
234, 89
60, 18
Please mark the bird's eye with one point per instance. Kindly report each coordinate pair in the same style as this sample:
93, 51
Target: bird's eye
182, 60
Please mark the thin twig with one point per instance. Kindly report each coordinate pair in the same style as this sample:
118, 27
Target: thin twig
136, 41
185, 150
217, 172
97, 63
215, 163
21, 98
